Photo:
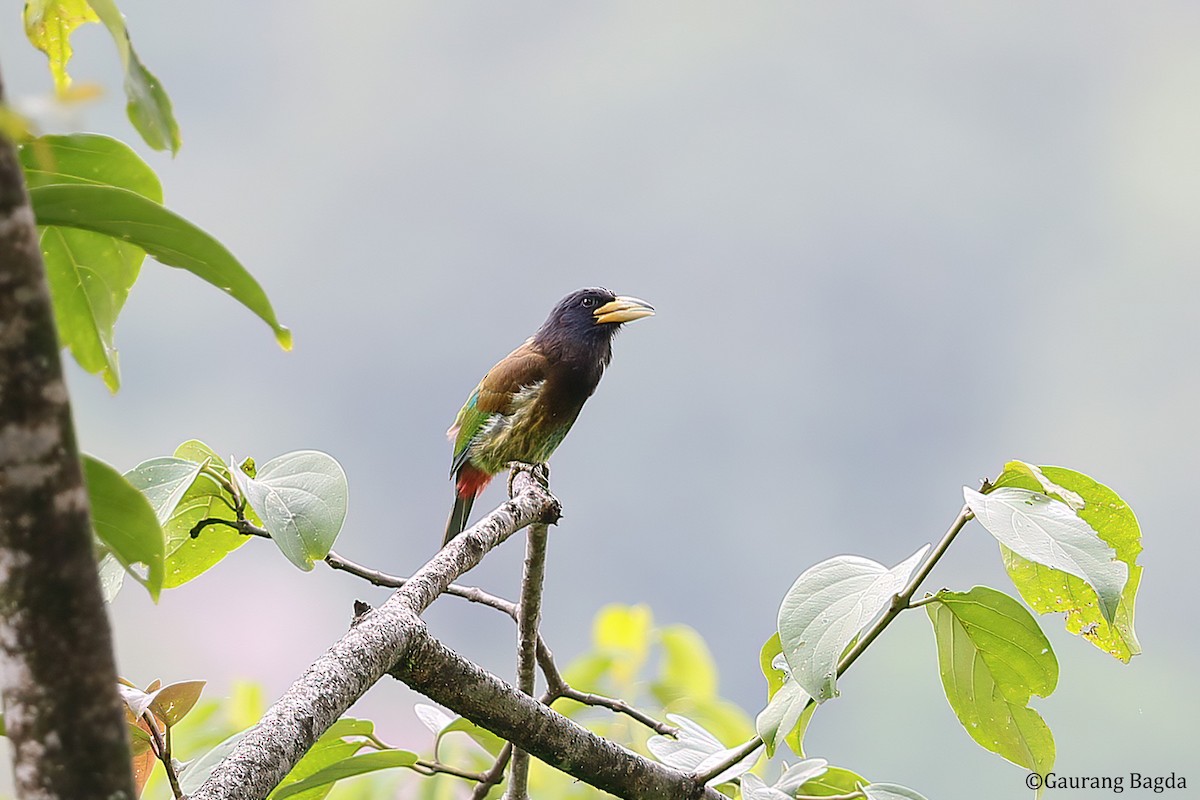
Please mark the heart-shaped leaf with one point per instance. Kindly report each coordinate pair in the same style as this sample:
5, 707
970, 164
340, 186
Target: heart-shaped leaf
301, 499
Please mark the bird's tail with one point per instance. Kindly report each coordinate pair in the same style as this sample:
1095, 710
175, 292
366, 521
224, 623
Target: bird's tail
458, 516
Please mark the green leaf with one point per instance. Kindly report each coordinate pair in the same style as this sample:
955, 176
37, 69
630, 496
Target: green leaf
1050, 532
1048, 590
623, 633
89, 278
90, 159
696, 749
481, 736
1028, 476
164, 481
687, 669
124, 521
827, 606
753, 788
49, 25
301, 498
90, 274
800, 773
171, 239
182, 492
172, 702
139, 739
832, 782
333, 746
775, 673
992, 657
360, 764
112, 574
148, 106
785, 719
206, 498
890, 791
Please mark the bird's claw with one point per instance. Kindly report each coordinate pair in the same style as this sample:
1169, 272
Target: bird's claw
540, 472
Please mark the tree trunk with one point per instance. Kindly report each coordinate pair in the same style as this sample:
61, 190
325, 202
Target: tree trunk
61, 707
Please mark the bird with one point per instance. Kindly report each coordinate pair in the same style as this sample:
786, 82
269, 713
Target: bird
525, 405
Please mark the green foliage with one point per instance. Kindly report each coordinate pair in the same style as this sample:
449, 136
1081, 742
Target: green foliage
148, 106
99, 211
177, 515
208, 497
90, 274
301, 498
834, 781
1063, 536
125, 523
171, 239
829, 605
1048, 590
353, 766
1049, 532
49, 25
890, 791
992, 657
789, 708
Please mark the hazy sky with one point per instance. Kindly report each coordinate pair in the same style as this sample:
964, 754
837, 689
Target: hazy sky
891, 247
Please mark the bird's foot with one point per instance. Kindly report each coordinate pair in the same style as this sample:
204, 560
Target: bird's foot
540, 472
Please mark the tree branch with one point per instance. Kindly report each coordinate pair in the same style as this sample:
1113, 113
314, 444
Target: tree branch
62, 712
446, 678
527, 643
378, 641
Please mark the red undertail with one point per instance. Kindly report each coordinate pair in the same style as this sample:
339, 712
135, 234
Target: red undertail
469, 483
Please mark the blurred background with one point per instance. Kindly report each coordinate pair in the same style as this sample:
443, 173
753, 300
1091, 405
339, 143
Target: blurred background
890, 247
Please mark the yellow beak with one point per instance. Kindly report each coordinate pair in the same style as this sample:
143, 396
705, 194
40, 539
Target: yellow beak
623, 309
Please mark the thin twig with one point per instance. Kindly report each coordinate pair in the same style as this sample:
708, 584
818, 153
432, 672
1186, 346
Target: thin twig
530, 615
434, 767
900, 602
162, 749
495, 774
619, 706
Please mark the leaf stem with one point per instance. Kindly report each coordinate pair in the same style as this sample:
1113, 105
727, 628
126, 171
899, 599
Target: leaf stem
902, 600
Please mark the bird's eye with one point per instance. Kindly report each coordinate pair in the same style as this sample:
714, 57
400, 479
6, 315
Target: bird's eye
588, 302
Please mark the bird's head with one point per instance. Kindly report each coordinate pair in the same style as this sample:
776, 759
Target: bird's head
584, 322
595, 312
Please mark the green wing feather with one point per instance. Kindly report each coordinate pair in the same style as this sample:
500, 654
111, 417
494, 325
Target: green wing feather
468, 422
494, 395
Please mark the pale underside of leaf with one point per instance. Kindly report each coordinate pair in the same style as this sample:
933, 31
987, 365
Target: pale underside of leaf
827, 606
1049, 532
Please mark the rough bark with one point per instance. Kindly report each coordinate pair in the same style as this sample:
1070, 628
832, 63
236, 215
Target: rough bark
364, 655
62, 711
527, 645
447, 678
